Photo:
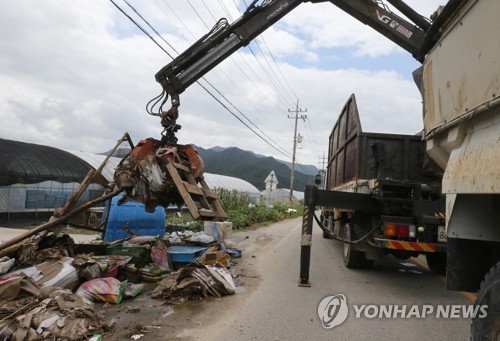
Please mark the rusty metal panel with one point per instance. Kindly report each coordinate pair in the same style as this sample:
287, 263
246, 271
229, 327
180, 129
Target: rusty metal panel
351, 160
395, 155
342, 154
351, 155
462, 71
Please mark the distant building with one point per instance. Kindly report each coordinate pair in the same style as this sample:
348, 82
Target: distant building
230, 183
271, 182
272, 194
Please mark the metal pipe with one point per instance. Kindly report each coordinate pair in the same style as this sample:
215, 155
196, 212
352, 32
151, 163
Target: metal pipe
411, 14
448, 11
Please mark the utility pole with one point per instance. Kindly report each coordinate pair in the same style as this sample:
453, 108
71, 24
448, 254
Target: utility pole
322, 170
296, 117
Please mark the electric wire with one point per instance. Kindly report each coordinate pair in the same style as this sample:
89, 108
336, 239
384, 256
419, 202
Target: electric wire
159, 97
260, 63
274, 60
239, 119
246, 117
237, 65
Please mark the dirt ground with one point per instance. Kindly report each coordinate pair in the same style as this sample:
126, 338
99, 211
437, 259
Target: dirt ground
161, 319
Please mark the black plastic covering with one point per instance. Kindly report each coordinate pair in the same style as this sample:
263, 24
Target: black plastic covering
29, 163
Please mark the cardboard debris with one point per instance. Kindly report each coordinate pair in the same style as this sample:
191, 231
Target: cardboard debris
196, 281
16, 286
60, 274
61, 314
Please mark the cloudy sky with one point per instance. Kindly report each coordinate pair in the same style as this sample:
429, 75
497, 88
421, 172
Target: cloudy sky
78, 74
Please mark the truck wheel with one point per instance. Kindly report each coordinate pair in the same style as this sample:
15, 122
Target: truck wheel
436, 262
365, 263
325, 223
351, 257
488, 328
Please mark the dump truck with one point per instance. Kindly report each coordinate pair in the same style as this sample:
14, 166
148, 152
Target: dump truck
407, 215
460, 84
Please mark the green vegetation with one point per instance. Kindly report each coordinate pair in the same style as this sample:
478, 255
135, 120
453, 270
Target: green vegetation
242, 212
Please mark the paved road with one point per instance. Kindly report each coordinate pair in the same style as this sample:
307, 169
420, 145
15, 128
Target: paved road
277, 309
7, 234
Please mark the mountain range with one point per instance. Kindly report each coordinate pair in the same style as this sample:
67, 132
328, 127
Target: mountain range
254, 168
249, 166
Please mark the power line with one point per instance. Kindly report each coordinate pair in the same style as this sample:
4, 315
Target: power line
218, 100
275, 63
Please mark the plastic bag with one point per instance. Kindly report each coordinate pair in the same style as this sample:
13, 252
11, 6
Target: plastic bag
107, 289
5, 264
159, 254
132, 290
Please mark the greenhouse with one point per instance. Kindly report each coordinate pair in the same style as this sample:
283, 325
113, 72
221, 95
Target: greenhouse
35, 179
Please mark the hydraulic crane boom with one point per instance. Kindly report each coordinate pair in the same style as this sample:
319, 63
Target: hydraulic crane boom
224, 39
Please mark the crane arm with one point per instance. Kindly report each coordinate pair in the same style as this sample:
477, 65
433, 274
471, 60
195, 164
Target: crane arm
224, 39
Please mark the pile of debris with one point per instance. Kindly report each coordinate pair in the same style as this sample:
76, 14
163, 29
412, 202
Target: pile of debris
49, 285
48, 289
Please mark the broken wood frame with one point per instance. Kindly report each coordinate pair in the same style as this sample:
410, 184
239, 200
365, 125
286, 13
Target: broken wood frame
201, 201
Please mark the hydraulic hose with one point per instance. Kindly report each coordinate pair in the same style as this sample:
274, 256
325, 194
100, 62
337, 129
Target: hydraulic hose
357, 241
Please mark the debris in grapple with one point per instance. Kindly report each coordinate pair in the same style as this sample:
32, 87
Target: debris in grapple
157, 174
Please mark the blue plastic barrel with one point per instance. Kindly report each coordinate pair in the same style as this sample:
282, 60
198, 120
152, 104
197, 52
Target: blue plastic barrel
134, 217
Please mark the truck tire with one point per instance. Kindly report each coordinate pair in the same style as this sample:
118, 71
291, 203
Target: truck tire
488, 328
436, 262
351, 257
325, 223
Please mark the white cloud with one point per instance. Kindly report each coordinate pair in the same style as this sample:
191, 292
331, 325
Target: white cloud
78, 75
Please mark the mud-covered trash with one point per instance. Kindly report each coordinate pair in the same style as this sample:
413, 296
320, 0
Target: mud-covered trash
16, 287
6, 264
59, 314
103, 290
154, 272
45, 248
159, 254
132, 290
60, 274
201, 238
196, 281
91, 267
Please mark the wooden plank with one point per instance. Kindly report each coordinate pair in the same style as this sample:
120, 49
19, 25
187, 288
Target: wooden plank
209, 194
181, 167
182, 190
193, 189
215, 202
201, 202
209, 214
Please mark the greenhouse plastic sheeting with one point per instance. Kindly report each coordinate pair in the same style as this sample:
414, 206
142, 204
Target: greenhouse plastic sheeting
22, 162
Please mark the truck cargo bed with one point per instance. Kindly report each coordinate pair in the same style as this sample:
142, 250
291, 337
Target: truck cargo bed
354, 154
